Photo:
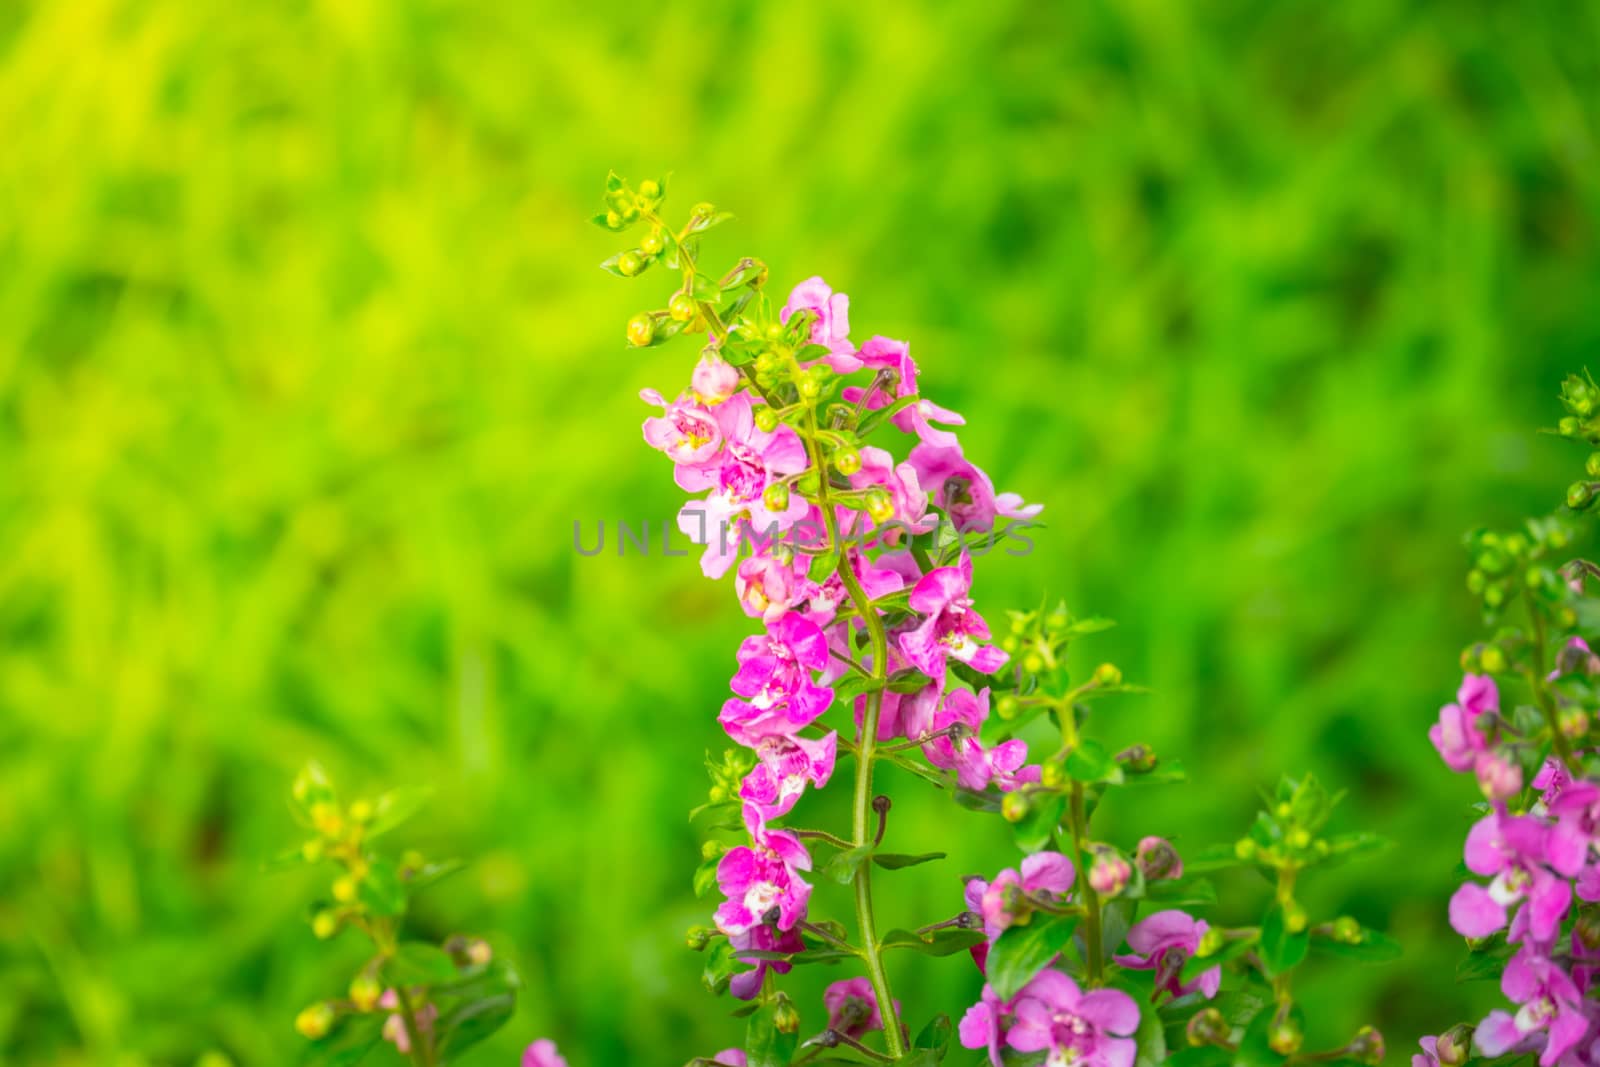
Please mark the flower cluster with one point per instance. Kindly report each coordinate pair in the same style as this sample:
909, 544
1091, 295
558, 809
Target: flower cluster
844, 506
1521, 725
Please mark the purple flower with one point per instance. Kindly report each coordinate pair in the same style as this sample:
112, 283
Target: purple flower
1004, 903
1164, 942
542, 1053
975, 765
775, 678
751, 459
1550, 1006
1089, 1029
950, 626
899, 374
853, 1007
1456, 734
984, 1025
731, 1057
1512, 851
760, 879
908, 715
687, 432
783, 767
747, 984
832, 325
963, 491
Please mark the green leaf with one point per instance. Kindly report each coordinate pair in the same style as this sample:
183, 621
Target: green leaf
614, 182
1151, 1038
395, 807
471, 1021
894, 861
1035, 829
1185, 892
764, 1045
1023, 951
1166, 772
843, 866
855, 684
1281, 950
419, 963
430, 873
721, 965
1374, 947
705, 876
935, 1036
943, 942
1214, 858
1353, 846
1253, 1048
1090, 762
382, 891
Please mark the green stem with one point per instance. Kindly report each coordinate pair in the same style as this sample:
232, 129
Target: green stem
421, 1047
1091, 899
861, 823
1536, 681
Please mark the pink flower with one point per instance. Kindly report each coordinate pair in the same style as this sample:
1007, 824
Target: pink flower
894, 363
1157, 859
714, 380
750, 460
731, 1057
1164, 942
1551, 1006
394, 1027
542, 1053
1091, 1029
1498, 777
831, 328
768, 584
747, 984
783, 767
910, 503
975, 765
950, 626
760, 879
775, 678
1004, 902
1513, 850
964, 492
1108, 872
687, 432
984, 1025
1456, 735
853, 1007
907, 715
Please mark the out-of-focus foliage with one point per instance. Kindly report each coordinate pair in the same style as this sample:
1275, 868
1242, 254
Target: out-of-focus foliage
305, 375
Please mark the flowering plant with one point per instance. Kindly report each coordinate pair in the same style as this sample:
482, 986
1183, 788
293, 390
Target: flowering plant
856, 565
1519, 726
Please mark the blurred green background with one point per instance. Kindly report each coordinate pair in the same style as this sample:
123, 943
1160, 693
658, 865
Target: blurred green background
306, 373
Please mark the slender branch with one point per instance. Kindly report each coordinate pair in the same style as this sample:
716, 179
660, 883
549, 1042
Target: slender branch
1090, 899
421, 1046
872, 952
1536, 681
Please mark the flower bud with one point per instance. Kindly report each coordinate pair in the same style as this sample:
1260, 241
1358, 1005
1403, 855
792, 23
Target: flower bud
681, 307
1007, 706
1493, 659
1366, 1046
697, 938
1284, 1036
1138, 759
879, 504
1157, 859
1498, 777
846, 460
326, 818
1245, 849
1294, 917
345, 889
313, 850
1587, 928
361, 811
785, 1016
651, 244
641, 330
650, 189
808, 483
324, 924
1207, 1027
1476, 580
1579, 496
710, 850
703, 210
809, 388
364, 992
630, 264
613, 220
1347, 930
1053, 775
1573, 723
775, 497
1454, 1046
1014, 807
1108, 872
479, 952
1107, 674
1211, 942
1569, 426
315, 1021
714, 379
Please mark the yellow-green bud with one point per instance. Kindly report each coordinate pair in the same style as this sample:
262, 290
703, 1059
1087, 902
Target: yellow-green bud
766, 418
681, 307
1493, 659
1245, 849
711, 850
312, 850
1008, 706
1207, 1027
1367, 1046
315, 1021
1347, 930
1294, 917
1014, 807
1053, 775
650, 189
846, 460
697, 938
879, 504
325, 924
703, 210
775, 497
641, 330
630, 263
364, 992
785, 1016
1299, 838
1579, 496
1107, 674
1211, 942
613, 220
361, 811
1285, 1037
651, 243
345, 889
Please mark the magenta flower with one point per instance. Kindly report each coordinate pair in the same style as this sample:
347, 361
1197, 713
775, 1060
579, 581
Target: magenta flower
1051, 1014
950, 626
1456, 735
823, 600
1552, 778
1498, 777
1429, 1056
687, 431
747, 984
714, 380
783, 767
975, 765
543, 1053
774, 677
760, 880
964, 492
750, 460
853, 1007
831, 328
984, 1025
908, 715
768, 585
731, 1057
1551, 1007
1164, 942
1513, 851
893, 361
910, 503
1157, 859
1004, 903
